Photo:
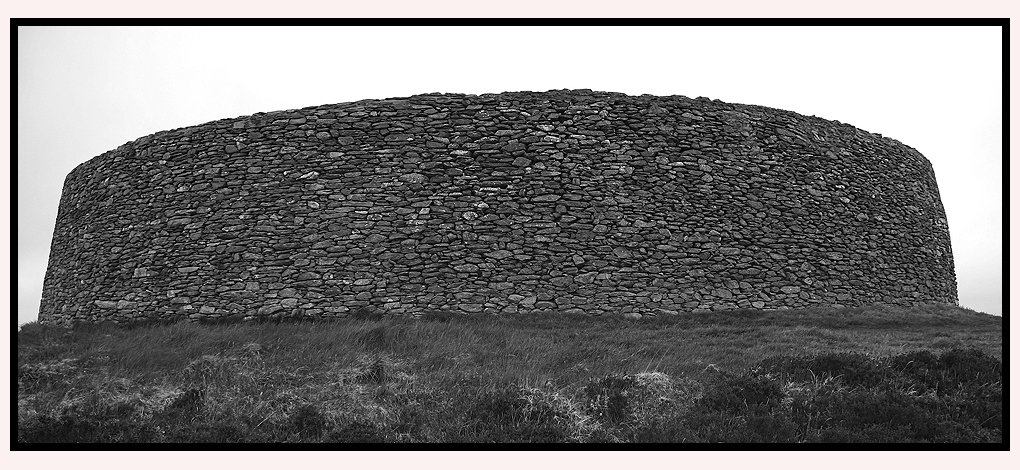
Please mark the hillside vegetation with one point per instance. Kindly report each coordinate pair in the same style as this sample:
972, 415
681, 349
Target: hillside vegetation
876, 374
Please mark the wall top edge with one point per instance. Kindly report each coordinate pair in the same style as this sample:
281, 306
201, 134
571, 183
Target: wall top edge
588, 95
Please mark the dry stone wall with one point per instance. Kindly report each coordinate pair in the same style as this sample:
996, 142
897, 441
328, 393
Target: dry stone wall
567, 200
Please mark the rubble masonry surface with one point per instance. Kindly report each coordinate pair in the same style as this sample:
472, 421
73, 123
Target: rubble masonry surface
569, 200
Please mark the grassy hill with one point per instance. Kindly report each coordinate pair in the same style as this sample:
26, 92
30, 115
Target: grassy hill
875, 374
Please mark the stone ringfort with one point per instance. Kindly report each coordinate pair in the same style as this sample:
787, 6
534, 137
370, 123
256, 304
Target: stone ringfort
566, 201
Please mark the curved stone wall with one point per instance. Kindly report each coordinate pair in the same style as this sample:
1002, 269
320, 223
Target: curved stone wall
567, 200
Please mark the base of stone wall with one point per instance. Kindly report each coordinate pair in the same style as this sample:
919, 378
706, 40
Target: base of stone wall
375, 314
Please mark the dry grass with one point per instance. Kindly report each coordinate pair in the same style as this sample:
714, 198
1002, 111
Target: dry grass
544, 378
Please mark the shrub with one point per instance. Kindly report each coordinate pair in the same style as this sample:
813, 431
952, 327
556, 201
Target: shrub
441, 316
151, 319
306, 421
708, 425
373, 373
366, 313
510, 413
356, 431
888, 415
33, 332
656, 394
607, 399
743, 394
375, 338
968, 366
658, 404
187, 402
48, 375
96, 423
852, 369
421, 414
923, 371
976, 406
216, 431
231, 319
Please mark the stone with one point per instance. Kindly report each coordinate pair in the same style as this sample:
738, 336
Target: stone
413, 178
621, 252
499, 254
337, 310
560, 281
269, 309
521, 162
466, 268
546, 198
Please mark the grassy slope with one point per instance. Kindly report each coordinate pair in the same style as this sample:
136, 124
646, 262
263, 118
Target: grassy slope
551, 377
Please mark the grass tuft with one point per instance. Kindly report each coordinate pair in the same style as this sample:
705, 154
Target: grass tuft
812, 375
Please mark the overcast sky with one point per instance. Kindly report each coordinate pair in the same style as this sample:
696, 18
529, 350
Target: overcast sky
86, 90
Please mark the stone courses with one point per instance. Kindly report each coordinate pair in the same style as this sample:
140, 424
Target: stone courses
568, 200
